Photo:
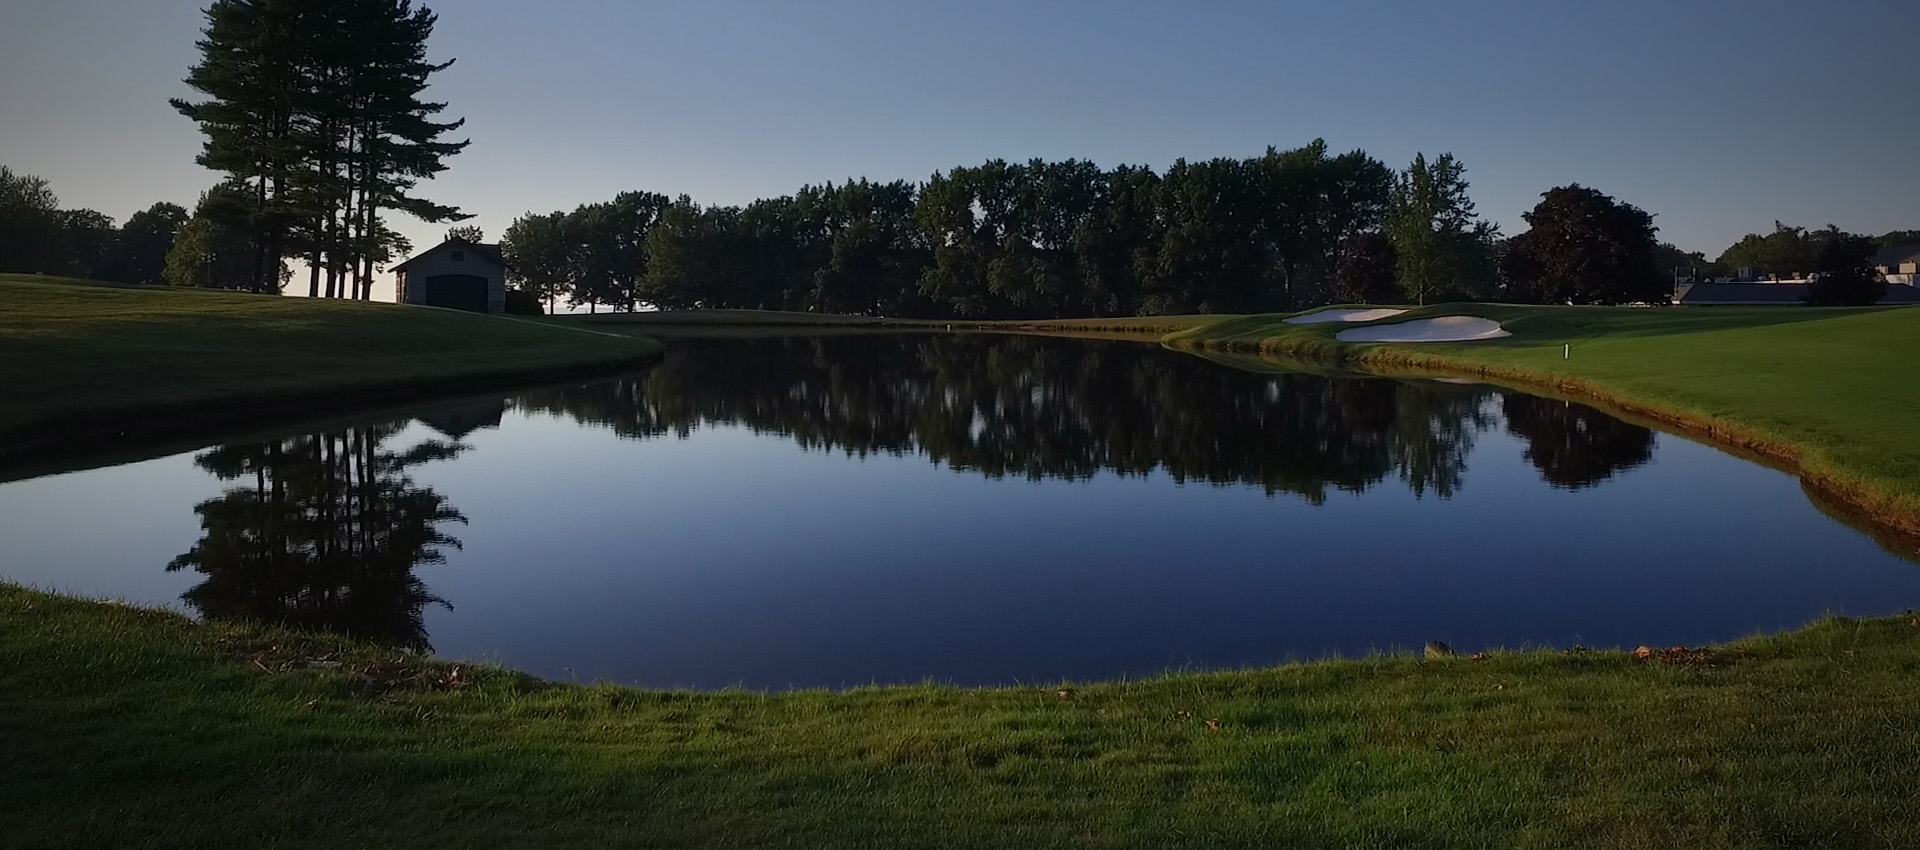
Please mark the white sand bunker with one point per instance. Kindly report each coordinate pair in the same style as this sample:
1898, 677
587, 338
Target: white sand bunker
1443, 329
1343, 316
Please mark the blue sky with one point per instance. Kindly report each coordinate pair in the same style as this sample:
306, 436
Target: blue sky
1717, 116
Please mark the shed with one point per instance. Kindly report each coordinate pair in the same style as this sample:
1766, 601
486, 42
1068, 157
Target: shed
456, 273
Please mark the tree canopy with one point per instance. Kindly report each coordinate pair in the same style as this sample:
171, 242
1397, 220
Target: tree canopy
998, 240
1584, 247
1444, 251
1844, 275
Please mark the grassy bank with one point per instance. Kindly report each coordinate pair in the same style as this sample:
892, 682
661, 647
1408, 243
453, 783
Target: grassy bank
136, 728
1830, 393
738, 322
80, 363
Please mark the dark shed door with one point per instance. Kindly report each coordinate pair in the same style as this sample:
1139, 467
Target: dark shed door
459, 291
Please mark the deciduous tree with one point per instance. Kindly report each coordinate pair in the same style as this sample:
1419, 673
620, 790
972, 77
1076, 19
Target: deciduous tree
29, 224
1844, 275
1444, 251
1584, 247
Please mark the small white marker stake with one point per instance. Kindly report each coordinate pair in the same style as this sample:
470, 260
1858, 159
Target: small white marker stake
1567, 352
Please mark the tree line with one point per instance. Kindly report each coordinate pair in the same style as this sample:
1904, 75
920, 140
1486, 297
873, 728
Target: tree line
38, 236
1288, 230
1792, 252
1034, 239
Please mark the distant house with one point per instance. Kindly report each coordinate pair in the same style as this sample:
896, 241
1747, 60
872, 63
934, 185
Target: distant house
1756, 294
1900, 263
458, 274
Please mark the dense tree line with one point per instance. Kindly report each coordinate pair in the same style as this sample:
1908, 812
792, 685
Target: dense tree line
37, 236
313, 109
1790, 252
1034, 239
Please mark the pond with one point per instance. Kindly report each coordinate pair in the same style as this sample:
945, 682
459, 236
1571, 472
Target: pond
834, 511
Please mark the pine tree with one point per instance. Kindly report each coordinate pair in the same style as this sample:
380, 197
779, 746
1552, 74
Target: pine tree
315, 105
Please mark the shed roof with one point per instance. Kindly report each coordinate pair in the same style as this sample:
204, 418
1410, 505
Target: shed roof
488, 251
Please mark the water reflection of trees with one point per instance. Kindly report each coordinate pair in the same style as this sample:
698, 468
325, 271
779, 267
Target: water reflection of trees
1574, 445
323, 532
1067, 409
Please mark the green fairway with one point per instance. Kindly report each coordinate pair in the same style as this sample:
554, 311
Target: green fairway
100, 360
1832, 393
134, 728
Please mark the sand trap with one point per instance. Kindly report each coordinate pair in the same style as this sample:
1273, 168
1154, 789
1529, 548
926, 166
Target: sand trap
1443, 329
1343, 316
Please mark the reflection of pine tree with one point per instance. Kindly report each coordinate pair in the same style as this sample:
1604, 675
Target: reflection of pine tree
1574, 445
325, 536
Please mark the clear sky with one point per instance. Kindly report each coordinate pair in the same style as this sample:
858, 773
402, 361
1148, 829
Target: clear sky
1717, 116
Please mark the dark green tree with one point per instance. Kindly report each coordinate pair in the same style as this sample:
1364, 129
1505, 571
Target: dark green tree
1783, 254
1844, 275
30, 225
1368, 271
88, 240
217, 247
140, 250
1584, 247
535, 248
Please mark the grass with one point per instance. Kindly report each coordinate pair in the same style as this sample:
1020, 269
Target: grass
737, 322
128, 727
82, 363
1832, 394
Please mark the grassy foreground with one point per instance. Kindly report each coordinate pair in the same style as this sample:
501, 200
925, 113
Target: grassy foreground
87, 361
126, 727
1833, 394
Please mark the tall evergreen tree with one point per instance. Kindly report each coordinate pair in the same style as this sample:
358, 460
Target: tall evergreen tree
315, 106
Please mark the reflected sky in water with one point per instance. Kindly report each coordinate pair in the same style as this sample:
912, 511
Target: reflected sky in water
828, 512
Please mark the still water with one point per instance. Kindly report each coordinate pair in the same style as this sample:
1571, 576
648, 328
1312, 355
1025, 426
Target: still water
842, 510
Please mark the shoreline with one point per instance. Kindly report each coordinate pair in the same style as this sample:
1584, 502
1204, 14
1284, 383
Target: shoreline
1864, 501
1886, 510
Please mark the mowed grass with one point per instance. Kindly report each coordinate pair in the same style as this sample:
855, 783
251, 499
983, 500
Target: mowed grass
770, 322
126, 727
1833, 392
75, 357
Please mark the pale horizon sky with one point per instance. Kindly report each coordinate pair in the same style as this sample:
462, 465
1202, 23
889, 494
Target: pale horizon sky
1718, 117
